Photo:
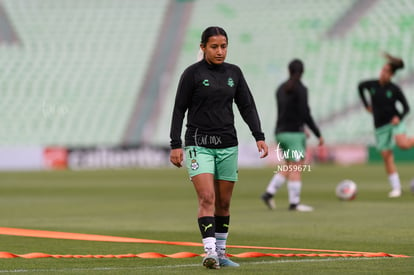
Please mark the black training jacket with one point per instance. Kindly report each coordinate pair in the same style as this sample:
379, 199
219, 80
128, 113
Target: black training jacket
207, 92
293, 111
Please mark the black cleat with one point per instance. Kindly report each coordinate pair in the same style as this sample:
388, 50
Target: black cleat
268, 200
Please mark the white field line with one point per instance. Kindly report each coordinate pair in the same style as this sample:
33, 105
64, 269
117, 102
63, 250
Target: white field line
160, 267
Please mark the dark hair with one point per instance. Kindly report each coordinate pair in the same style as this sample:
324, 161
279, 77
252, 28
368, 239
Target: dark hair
212, 31
296, 69
394, 62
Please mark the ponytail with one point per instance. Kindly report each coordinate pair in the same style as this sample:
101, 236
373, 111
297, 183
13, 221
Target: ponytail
394, 62
291, 83
296, 69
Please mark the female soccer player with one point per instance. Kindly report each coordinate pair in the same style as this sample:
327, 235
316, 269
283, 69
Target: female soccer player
293, 113
388, 121
207, 90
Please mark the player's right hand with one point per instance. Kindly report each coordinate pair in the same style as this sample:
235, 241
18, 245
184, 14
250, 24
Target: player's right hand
321, 141
176, 157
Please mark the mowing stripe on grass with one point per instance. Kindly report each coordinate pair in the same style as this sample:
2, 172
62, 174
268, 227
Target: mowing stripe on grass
160, 267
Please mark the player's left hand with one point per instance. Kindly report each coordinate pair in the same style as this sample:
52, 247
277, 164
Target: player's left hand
307, 133
262, 146
395, 120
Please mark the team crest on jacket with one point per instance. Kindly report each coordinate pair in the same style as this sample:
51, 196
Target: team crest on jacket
389, 94
194, 164
230, 82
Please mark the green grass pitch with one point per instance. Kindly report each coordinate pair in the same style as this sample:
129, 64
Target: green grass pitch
161, 204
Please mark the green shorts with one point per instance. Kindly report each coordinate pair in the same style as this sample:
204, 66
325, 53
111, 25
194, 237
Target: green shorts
384, 135
222, 163
291, 146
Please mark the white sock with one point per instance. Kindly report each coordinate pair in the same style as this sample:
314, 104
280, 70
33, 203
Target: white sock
394, 179
294, 188
221, 239
275, 183
210, 245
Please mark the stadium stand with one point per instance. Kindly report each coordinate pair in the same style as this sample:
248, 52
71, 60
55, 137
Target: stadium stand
74, 76
264, 38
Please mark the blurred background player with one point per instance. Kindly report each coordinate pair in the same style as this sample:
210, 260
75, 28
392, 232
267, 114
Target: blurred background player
207, 90
293, 113
388, 121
